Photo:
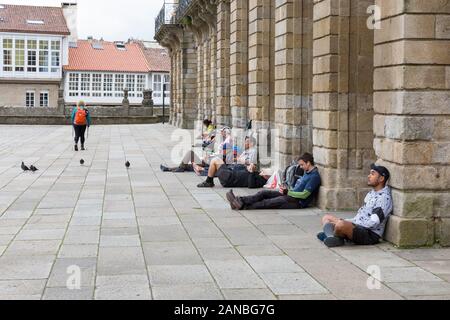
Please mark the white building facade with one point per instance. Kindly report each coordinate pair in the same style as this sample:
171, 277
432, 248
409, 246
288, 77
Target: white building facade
34, 47
100, 71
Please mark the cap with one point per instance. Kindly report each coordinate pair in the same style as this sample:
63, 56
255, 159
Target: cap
226, 129
383, 171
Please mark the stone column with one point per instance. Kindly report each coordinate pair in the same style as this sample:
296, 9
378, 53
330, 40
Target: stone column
293, 79
239, 62
223, 63
261, 73
343, 111
188, 87
197, 29
206, 75
412, 122
213, 75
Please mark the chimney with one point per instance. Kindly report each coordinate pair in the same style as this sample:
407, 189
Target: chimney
70, 11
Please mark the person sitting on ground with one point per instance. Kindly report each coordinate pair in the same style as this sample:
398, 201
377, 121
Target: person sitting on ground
191, 162
300, 197
210, 129
367, 228
239, 175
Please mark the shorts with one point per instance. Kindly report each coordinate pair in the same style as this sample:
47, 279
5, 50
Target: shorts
365, 237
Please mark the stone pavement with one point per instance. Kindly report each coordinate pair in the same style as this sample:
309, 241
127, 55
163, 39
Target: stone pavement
144, 234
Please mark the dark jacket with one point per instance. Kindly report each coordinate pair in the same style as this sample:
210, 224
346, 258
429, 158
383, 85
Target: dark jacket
239, 177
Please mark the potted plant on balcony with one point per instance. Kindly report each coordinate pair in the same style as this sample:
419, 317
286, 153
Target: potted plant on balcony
186, 21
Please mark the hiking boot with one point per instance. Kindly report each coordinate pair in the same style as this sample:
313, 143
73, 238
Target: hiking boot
334, 242
322, 236
206, 184
82, 147
235, 203
76, 147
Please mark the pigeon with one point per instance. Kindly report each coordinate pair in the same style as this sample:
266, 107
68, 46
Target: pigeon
24, 167
81, 161
34, 169
128, 164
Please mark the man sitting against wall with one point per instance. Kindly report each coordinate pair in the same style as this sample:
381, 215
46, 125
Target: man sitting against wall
367, 228
243, 174
299, 197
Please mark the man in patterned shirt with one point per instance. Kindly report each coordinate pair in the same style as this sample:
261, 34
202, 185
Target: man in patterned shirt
367, 228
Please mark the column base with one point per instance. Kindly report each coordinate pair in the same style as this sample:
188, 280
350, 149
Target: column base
406, 233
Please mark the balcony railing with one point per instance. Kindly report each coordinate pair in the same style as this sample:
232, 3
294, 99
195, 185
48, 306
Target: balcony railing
167, 15
182, 7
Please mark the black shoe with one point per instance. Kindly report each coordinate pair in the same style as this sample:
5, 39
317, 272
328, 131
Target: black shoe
334, 242
82, 147
164, 169
322, 236
76, 148
235, 203
206, 184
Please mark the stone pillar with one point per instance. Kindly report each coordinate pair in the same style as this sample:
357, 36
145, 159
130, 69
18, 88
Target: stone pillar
172, 87
239, 62
147, 102
126, 103
213, 75
342, 101
206, 75
200, 63
223, 63
261, 73
61, 104
293, 79
179, 89
412, 122
188, 88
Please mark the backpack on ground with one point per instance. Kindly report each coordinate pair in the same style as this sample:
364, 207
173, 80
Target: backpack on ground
81, 117
292, 174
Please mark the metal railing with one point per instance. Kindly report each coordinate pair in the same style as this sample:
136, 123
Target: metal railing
167, 14
182, 7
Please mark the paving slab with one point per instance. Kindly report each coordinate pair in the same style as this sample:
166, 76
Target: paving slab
144, 234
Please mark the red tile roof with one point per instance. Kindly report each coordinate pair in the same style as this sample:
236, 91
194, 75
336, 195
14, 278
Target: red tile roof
13, 18
109, 59
158, 59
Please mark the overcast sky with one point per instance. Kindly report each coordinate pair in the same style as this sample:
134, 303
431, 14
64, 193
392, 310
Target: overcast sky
110, 19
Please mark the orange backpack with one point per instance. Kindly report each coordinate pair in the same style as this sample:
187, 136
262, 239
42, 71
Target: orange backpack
81, 117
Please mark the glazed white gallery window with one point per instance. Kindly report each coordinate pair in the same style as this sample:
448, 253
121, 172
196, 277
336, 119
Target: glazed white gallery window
108, 85
158, 81
23, 55
119, 85
97, 85
105, 84
30, 99
157, 85
167, 86
131, 80
85, 86
140, 85
74, 79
